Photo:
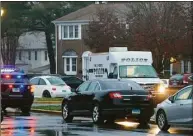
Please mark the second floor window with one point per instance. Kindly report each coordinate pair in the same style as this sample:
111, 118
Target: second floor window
29, 55
71, 32
36, 55
46, 55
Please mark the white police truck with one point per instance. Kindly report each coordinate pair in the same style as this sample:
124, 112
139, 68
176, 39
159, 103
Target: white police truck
119, 63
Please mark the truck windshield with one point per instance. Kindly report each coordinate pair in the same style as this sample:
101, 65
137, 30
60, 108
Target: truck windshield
137, 71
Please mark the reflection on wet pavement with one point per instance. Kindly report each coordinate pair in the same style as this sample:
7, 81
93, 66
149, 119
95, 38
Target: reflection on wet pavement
51, 125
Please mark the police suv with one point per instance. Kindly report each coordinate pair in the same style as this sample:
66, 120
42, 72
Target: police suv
16, 91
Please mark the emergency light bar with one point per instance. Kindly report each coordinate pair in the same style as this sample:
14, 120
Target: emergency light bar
9, 68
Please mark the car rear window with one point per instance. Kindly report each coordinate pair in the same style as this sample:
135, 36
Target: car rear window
56, 81
14, 78
120, 85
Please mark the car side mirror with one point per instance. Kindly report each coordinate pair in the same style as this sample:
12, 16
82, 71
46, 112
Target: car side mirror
171, 99
110, 75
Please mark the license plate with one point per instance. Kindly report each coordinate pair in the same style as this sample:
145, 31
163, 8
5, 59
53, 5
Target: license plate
15, 90
135, 111
63, 90
174, 83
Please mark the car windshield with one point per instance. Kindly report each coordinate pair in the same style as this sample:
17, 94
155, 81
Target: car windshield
14, 78
56, 81
120, 85
177, 77
137, 71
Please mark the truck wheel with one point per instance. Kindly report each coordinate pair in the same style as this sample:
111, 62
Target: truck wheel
96, 115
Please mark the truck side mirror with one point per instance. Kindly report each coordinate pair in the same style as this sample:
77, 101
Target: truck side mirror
110, 75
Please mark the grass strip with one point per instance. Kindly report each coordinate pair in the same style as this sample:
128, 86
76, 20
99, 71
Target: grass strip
48, 99
50, 107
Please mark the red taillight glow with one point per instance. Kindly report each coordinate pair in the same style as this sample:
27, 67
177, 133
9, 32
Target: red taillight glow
149, 97
53, 88
31, 88
115, 95
7, 76
10, 86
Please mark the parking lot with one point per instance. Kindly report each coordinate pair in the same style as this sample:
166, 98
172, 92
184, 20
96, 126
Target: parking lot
15, 124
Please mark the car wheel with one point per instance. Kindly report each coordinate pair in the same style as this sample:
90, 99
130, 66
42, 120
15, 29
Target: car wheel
66, 113
96, 115
46, 94
162, 121
25, 110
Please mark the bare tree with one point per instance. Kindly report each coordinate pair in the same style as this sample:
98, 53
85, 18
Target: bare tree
161, 27
105, 30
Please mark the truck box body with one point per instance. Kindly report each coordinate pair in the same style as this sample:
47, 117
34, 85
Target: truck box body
123, 64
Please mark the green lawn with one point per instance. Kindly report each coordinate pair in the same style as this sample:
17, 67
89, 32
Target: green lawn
50, 107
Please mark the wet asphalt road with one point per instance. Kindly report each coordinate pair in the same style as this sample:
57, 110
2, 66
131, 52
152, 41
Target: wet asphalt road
40, 124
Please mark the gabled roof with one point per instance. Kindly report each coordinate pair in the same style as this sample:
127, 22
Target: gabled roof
88, 13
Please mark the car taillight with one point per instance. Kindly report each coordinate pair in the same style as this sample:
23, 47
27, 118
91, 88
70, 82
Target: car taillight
8, 76
31, 88
149, 97
10, 86
115, 95
53, 88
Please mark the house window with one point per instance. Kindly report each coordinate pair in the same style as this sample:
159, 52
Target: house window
70, 65
36, 55
29, 55
71, 32
20, 55
46, 55
73, 64
185, 66
70, 62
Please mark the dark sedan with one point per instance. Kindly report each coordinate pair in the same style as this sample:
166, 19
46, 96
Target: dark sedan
108, 99
72, 81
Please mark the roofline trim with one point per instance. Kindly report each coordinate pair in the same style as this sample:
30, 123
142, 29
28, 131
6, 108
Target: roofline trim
72, 21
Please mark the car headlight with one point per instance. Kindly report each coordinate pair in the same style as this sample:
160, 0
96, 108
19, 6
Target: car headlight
161, 88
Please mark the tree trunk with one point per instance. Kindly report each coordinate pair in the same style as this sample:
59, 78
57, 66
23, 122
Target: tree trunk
8, 49
50, 53
192, 37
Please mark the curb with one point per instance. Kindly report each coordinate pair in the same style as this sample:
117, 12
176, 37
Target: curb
46, 111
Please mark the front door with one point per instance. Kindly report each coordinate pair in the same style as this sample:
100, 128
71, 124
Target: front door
180, 111
77, 99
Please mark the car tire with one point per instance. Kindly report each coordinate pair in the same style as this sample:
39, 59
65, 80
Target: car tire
25, 110
46, 94
96, 115
161, 121
66, 113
